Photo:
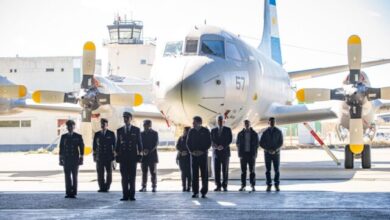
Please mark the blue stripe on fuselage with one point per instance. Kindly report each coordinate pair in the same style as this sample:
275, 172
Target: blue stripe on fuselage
276, 50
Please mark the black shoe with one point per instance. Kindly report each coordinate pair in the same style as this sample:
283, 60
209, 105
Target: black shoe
242, 189
203, 196
268, 189
184, 189
125, 199
195, 196
67, 196
132, 199
143, 189
218, 189
154, 189
277, 188
72, 196
225, 189
188, 189
100, 190
253, 189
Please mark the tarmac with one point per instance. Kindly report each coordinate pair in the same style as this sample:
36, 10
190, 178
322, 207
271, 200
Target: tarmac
312, 186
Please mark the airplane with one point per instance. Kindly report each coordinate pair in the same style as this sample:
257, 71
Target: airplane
215, 72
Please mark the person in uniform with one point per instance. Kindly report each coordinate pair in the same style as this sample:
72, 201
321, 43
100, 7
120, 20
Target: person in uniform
150, 155
247, 144
103, 155
221, 138
71, 156
198, 143
271, 141
183, 156
128, 152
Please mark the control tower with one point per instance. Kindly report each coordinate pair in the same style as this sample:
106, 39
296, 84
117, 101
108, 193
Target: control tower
129, 54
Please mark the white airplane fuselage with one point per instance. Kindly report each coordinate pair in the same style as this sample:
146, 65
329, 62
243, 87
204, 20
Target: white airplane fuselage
207, 85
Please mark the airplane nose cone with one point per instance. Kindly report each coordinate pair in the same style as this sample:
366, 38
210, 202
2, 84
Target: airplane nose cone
203, 89
188, 86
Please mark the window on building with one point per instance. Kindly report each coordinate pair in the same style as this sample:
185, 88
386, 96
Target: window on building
10, 124
76, 75
49, 69
191, 46
10, 70
213, 47
62, 69
142, 61
25, 123
15, 70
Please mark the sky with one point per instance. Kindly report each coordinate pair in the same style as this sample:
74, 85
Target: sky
313, 33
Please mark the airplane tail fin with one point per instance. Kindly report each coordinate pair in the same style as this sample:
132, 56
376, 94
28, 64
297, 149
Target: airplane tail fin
270, 43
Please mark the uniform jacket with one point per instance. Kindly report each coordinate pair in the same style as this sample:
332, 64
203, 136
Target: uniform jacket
254, 144
181, 146
199, 140
71, 147
128, 145
150, 142
225, 139
271, 139
103, 146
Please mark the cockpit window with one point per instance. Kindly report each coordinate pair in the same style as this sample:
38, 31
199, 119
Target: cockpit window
191, 47
174, 48
213, 47
232, 52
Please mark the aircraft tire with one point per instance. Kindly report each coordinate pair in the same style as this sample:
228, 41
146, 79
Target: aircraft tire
348, 161
366, 157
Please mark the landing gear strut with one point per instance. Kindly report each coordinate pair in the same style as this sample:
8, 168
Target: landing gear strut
366, 157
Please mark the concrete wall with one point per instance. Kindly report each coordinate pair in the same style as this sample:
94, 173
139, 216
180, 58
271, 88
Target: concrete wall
134, 60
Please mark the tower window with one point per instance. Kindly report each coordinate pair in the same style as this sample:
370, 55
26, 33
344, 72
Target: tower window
143, 61
49, 69
62, 69
10, 70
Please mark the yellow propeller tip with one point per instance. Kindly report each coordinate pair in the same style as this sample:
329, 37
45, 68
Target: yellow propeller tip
301, 95
36, 96
87, 150
89, 46
354, 39
138, 99
356, 148
22, 91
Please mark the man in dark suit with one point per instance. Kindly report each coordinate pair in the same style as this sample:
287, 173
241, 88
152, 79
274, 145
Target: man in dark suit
128, 152
150, 156
221, 138
271, 141
103, 155
71, 156
199, 143
247, 144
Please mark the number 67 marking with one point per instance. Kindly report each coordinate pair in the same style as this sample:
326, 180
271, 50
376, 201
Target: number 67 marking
240, 82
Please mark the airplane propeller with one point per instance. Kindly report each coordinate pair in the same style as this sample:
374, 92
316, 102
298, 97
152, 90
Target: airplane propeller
12, 91
355, 94
89, 97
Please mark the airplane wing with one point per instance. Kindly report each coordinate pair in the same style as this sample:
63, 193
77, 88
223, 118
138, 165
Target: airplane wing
288, 114
66, 107
381, 106
317, 72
